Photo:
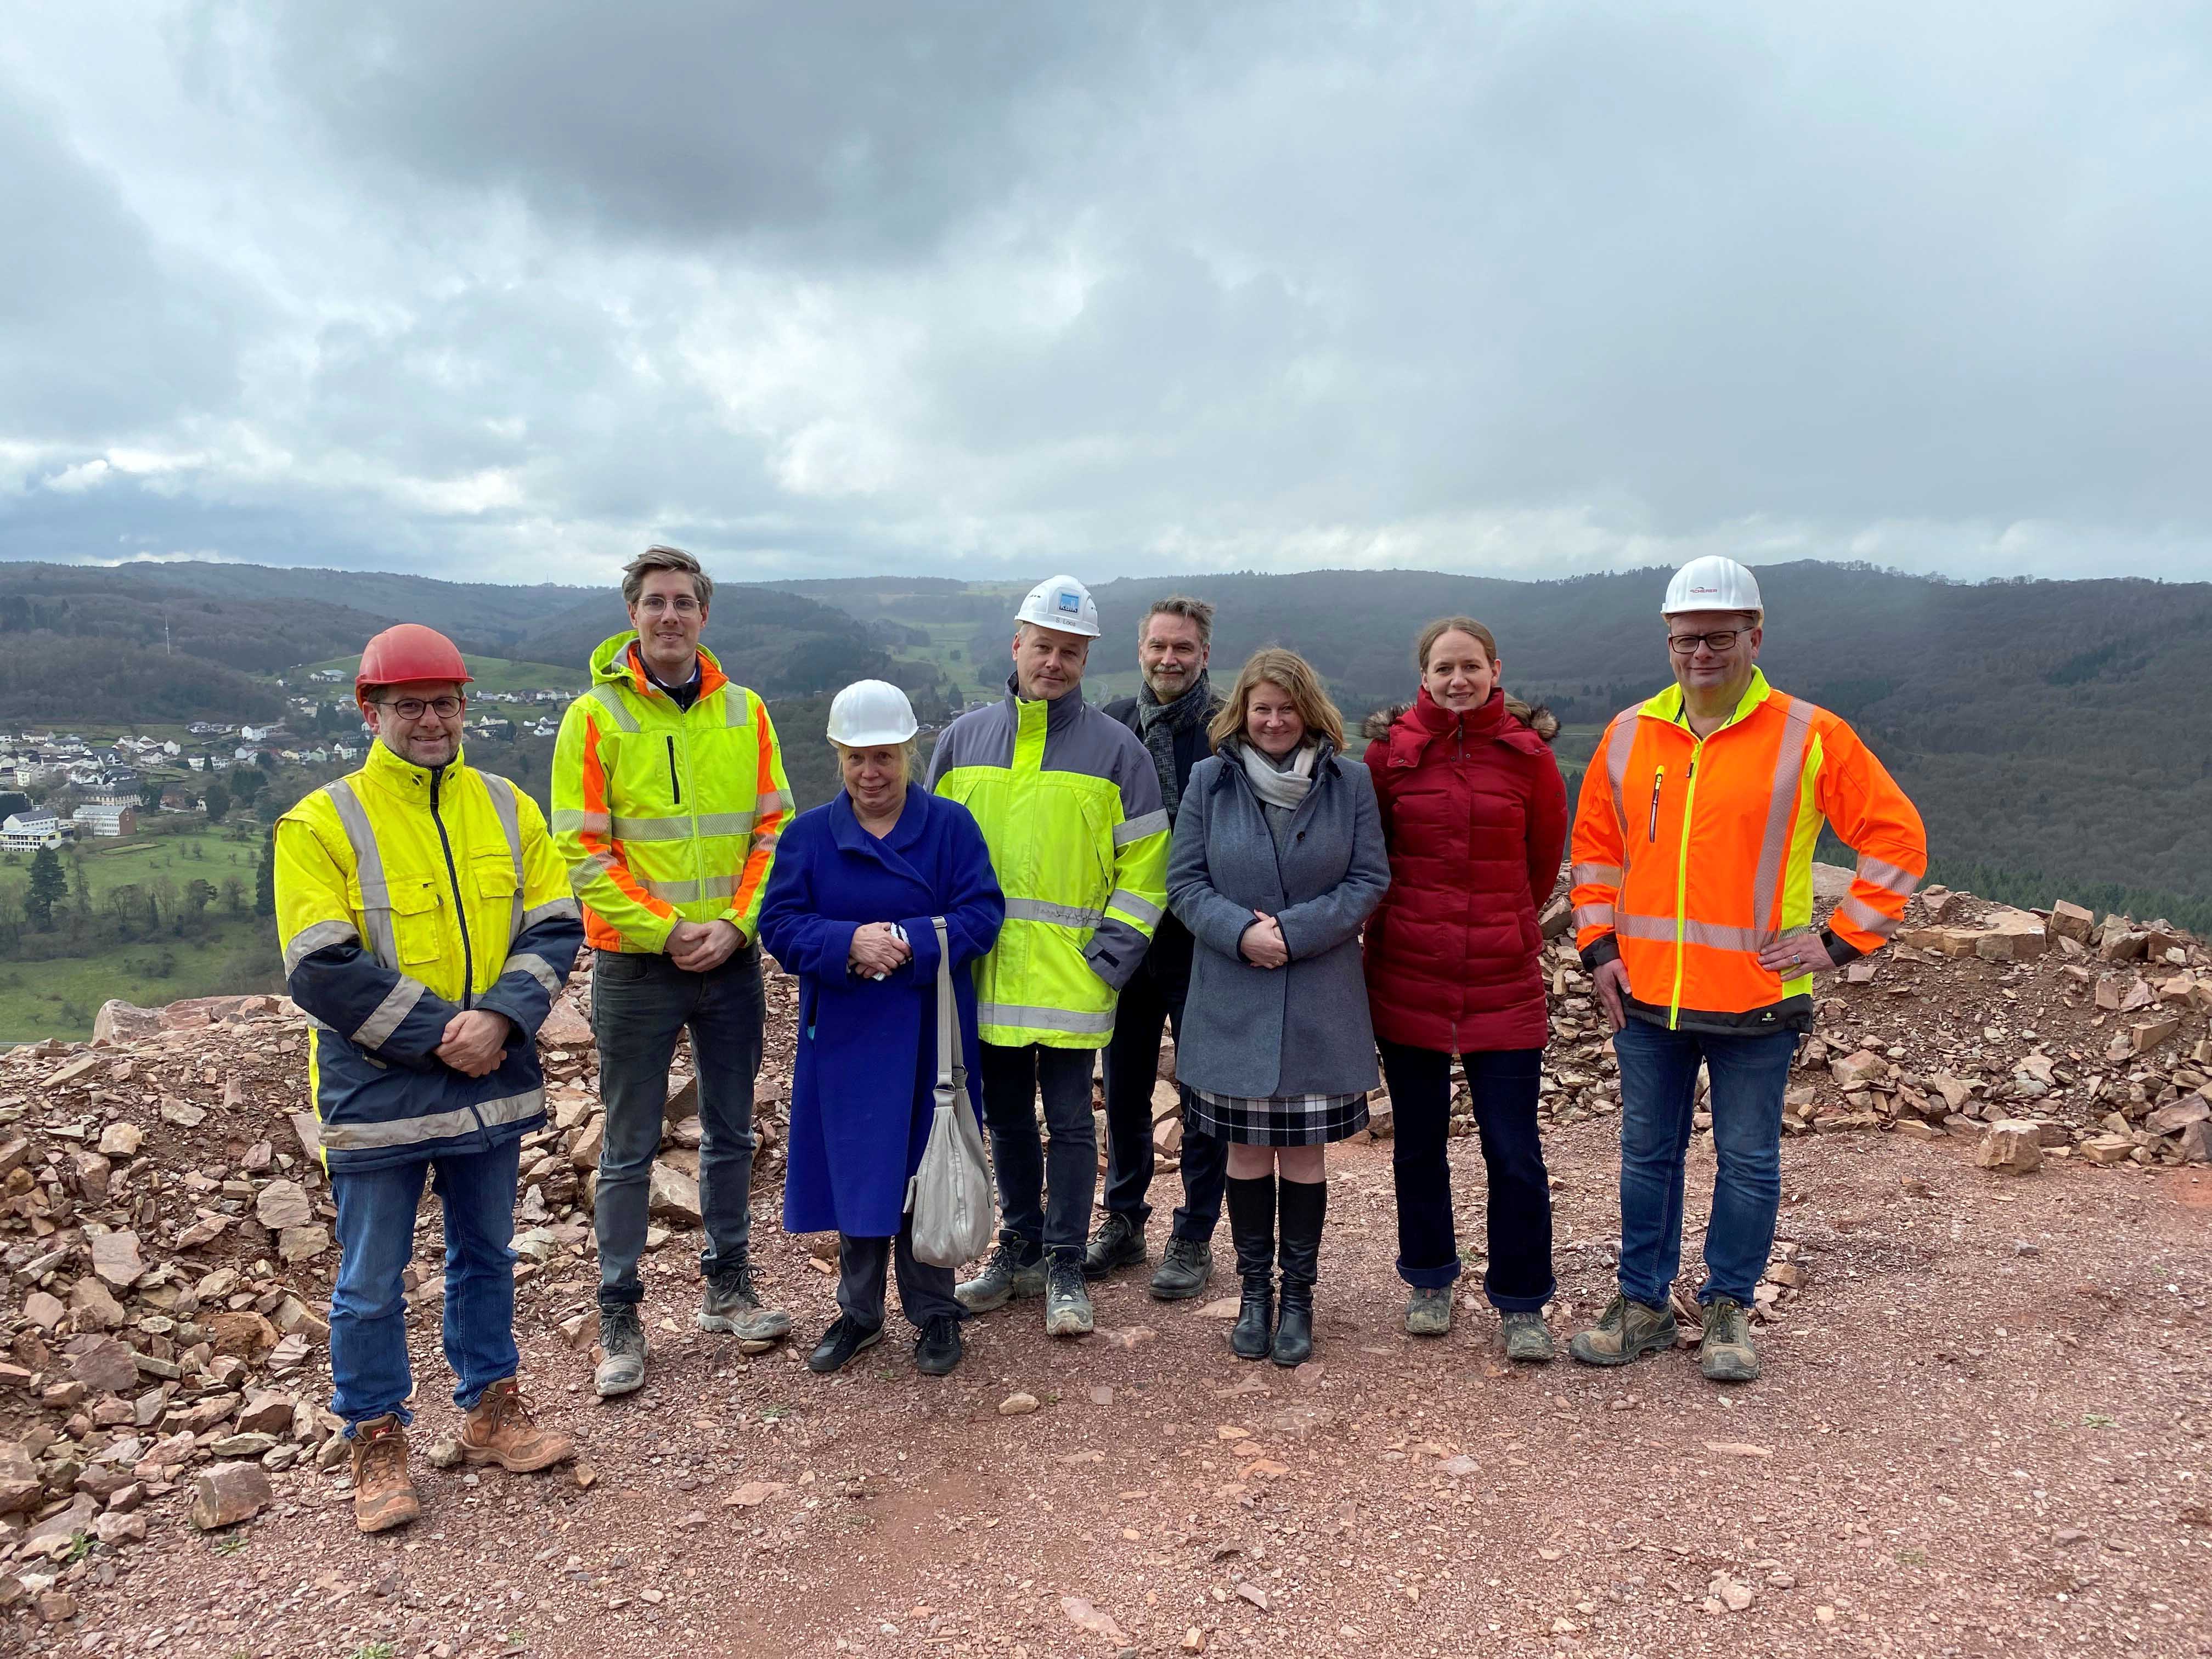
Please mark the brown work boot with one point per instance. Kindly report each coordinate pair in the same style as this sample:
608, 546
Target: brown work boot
1626, 1331
499, 1430
383, 1496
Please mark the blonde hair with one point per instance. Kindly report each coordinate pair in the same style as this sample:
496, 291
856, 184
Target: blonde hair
1273, 665
910, 753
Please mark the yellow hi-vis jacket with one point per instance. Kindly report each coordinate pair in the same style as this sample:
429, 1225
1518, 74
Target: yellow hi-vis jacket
405, 895
666, 814
1069, 805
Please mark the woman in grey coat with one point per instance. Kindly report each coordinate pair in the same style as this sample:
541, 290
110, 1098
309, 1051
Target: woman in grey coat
1278, 858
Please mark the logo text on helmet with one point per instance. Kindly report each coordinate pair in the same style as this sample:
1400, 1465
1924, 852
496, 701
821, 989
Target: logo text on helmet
1068, 602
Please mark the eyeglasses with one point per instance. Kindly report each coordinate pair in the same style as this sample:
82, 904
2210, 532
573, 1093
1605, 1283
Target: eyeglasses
411, 708
1686, 645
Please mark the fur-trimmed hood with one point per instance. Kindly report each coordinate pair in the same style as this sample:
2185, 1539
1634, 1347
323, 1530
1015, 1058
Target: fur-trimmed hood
1538, 718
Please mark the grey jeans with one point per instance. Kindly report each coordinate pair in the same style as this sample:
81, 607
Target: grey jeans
639, 1005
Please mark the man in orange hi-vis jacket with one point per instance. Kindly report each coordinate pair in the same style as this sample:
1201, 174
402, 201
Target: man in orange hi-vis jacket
1693, 909
668, 797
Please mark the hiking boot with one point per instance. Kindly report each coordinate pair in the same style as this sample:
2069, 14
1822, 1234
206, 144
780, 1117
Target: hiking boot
1726, 1355
383, 1496
1006, 1277
1067, 1300
499, 1430
1428, 1311
1626, 1331
622, 1342
731, 1304
1527, 1338
840, 1344
1186, 1266
938, 1348
1118, 1243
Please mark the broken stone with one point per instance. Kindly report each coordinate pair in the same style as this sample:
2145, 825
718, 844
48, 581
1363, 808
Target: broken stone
2146, 1035
96, 1306
227, 1494
298, 1244
105, 1365
2010, 1144
673, 1195
1857, 1070
2072, 921
283, 1204
43, 1310
2108, 1149
1018, 1405
115, 1258
120, 1139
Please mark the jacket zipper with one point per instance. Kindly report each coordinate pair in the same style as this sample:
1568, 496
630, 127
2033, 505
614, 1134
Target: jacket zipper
460, 909
1682, 882
675, 787
1658, 782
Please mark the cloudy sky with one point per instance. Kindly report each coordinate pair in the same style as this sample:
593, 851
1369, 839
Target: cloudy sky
502, 290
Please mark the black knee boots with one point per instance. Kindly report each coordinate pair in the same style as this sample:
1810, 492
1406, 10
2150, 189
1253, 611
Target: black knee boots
1252, 1228
1304, 1204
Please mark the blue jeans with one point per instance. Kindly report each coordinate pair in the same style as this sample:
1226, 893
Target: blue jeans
1658, 1094
639, 1005
376, 1240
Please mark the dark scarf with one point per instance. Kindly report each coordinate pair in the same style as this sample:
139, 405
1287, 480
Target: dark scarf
1159, 722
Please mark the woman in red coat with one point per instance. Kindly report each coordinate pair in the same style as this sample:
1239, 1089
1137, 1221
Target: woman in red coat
1475, 818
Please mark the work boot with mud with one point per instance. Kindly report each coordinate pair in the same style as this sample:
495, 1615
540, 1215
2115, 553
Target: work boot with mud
622, 1350
1624, 1332
499, 1430
383, 1496
1726, 1355
731, 1305
1010, 1273
1526, 1339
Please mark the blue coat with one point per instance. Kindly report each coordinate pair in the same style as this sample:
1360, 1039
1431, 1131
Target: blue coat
861, 1094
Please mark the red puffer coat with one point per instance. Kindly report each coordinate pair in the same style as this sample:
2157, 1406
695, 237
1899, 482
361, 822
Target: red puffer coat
1475, 818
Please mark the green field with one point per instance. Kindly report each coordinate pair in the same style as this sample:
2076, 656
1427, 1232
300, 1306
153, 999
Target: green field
492, 674
58, 999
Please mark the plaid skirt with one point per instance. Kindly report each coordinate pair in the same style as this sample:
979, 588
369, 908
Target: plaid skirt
1284, 1120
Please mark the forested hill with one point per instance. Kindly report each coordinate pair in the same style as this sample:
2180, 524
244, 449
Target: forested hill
165, 643
2063, 728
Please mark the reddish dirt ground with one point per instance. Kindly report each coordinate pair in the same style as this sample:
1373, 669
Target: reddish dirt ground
1983, 1430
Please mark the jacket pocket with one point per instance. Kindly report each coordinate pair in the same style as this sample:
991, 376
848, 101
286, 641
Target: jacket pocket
496, 885
416, 928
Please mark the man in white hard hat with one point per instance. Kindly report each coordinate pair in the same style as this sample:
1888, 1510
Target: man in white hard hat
1697, 927
1070, 806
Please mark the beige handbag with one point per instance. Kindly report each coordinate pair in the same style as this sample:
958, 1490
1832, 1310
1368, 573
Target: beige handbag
950, 1196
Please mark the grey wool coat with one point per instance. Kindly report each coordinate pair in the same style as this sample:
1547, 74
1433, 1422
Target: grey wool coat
1256, 1033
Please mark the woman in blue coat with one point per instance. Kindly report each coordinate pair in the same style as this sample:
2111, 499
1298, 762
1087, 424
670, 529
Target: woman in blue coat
849, 910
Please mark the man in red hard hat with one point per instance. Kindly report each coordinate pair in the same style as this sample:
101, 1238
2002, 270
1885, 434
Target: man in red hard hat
428, 925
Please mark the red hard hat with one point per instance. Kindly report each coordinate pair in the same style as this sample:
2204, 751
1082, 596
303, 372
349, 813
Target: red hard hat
410, 652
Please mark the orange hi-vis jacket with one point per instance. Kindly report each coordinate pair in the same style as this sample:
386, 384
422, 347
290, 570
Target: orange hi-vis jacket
664, 814
1692, 855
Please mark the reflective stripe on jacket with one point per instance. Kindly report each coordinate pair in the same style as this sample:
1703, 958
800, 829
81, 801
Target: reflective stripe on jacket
1691, 856
666, 814
1070, 806
405, 895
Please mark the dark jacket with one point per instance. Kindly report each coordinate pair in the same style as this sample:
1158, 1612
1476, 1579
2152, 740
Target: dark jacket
1168, 962
1301, 1029
1476, 817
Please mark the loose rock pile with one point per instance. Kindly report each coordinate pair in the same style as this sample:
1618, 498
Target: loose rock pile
165, 1228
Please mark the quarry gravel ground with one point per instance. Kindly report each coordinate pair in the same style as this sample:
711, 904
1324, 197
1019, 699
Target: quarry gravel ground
1984, 1429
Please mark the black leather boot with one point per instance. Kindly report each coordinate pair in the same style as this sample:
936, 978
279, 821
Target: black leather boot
1252, 1227
1303, 1203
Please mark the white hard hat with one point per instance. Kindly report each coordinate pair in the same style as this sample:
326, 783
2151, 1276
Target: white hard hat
1712, 583
870, 713
1063, 602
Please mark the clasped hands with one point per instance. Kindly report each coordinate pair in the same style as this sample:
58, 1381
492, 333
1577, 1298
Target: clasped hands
1263, 942
700, 947
475, 1041
877, 950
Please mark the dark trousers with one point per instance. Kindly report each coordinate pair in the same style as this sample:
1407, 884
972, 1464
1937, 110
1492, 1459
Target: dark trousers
1503, 1082
863, 1264
1133, 1063
639, 1005
1012, 1080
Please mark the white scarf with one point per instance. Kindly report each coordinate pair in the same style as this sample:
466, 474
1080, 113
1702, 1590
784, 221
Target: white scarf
1286, 787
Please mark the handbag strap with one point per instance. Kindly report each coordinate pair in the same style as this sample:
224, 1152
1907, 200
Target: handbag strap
951, 1075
